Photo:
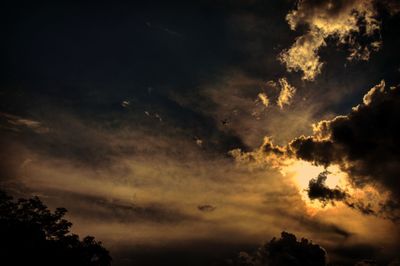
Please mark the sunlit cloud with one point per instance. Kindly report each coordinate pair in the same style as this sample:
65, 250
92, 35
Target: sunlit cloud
264, 99
286, 94
344, 143
340, 20
189, 135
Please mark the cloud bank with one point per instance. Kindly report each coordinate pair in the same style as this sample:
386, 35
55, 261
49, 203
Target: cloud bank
362, 143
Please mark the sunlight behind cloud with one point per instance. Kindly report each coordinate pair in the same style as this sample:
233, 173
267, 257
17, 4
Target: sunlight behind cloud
302, 172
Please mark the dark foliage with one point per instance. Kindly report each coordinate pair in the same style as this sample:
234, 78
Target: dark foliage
33, 235
286, 251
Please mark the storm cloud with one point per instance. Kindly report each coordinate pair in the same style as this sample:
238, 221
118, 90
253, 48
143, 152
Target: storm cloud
363, 143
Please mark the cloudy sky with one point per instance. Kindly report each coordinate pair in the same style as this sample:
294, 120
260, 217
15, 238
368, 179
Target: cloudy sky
180, 133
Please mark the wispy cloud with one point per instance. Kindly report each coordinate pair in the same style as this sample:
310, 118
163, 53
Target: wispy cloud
286, 94
17, 123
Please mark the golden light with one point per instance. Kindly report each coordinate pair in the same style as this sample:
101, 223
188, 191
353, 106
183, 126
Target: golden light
302, 172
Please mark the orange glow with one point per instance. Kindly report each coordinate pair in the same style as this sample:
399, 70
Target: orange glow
302, 172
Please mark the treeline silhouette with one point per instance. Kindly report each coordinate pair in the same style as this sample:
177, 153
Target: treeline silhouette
285, 251
30, 234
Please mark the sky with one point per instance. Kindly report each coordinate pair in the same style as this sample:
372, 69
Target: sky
184, 132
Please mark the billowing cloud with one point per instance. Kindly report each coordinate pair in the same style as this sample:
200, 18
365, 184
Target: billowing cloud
343, 21
363, 143
303, 56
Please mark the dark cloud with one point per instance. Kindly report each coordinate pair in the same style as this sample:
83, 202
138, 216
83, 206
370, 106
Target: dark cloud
109, 209
364, 143
321, 228
206, 208
367, 209
318, 190
316, 225
101, 140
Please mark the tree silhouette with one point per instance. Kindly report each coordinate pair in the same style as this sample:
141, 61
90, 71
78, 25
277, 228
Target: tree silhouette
30, 234
286, 251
